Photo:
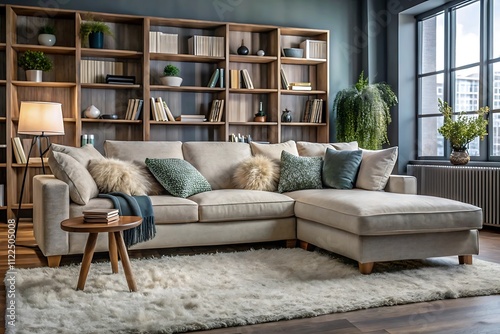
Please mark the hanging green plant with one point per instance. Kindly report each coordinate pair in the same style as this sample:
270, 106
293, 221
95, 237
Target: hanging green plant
363, 113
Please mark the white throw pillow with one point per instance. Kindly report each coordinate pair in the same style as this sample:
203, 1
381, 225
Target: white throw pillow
375, 168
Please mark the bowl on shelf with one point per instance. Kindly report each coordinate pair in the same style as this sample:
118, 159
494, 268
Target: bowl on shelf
293, 52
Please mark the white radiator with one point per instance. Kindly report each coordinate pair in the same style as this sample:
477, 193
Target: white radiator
479, 186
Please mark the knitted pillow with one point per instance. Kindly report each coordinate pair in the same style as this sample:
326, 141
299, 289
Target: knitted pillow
257, 173
299, 172
178, 176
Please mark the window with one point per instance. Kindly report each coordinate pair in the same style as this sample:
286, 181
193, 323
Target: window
459, 62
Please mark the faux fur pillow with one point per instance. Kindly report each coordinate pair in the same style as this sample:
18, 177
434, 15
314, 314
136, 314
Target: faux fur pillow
112, 175
257, 173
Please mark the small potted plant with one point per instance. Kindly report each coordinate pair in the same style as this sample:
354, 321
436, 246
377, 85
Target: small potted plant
461, 130
260, 116
171, 76
34, 63
92, 33
46, 35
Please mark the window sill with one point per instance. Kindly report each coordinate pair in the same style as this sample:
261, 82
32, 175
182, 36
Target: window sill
447, 163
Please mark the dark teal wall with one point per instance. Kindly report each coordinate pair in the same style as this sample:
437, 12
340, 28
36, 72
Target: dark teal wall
341, 17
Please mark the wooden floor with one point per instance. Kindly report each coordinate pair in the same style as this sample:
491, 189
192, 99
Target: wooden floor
464, 315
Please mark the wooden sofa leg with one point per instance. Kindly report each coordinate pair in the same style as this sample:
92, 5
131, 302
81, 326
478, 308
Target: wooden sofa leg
291, 243
465, 259
54, 260
306, 246
365, 268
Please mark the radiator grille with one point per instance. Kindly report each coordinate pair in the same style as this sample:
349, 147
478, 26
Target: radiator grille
479, 186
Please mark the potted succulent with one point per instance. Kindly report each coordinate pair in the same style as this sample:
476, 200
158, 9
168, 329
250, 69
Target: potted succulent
171, 76
92, 33
46, 35
363, 113
461, 130
34, 63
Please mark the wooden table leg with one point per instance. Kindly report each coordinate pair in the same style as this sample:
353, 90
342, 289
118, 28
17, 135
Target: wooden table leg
87, 258
113, 252
122, 250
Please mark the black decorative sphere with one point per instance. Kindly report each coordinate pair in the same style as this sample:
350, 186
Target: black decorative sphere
242, 50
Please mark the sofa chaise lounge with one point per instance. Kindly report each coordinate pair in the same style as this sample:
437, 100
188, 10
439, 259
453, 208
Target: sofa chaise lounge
369, 226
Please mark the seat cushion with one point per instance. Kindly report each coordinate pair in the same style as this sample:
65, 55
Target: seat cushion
240, 204
365, 212
167, 209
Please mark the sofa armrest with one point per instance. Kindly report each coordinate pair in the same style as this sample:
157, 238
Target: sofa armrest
403, 184
50, 207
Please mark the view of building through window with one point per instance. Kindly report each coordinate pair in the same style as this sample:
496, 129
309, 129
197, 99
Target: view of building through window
454, 75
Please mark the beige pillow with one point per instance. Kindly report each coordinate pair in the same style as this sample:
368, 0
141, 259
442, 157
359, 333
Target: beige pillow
375, 168
81, 154
308, 149
351, 146
273, 151
257, 173
113, 175
81, 184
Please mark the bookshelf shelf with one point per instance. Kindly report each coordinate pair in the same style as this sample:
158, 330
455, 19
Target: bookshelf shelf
62, 50
109, 86
187, 89
253, 91
20, 83
302, 61
188, 123
252, 59
302, 92
115, 121
302, 124
254, 123
110, 53
185, 58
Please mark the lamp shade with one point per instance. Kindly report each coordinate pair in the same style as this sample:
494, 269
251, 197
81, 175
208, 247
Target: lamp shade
40, 118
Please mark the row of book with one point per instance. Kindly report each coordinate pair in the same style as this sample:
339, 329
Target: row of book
20, 147
98, 216
313, 112
240, 79
134, 109
285, 84
216, 111
160, 42
217, 78
206, 46
95, 71
160, 111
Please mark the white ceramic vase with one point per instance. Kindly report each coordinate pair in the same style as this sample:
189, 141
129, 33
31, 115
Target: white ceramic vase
47, 39
171, 81
34, 75
92, 112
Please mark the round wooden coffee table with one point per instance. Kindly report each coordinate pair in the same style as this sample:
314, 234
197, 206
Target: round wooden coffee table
115, 240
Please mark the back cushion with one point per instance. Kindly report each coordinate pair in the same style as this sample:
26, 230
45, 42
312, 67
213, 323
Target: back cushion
216, 161
138, 151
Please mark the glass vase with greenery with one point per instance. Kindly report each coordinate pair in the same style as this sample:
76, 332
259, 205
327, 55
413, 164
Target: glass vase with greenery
363, 113
464, 128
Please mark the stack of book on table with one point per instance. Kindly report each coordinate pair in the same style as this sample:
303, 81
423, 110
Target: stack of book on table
105, 216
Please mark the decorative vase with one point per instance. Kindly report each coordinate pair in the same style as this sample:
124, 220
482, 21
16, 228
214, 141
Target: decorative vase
286, 116
96, 40
47, 39
259, 119
92, 112
459, 156
34, 75
171, 81
242, 50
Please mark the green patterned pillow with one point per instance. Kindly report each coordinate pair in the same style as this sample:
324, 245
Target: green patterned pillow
299, 172
178, 176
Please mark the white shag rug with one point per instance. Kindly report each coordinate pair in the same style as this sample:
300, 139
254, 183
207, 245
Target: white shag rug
186, 293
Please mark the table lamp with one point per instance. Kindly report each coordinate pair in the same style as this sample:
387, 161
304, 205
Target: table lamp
41, 120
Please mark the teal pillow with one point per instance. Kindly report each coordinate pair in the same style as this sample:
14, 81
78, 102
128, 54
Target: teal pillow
340, 168
299, 172
178, 176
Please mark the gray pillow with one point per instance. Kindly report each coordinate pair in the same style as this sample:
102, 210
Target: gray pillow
299, 173
340, 168
178, 176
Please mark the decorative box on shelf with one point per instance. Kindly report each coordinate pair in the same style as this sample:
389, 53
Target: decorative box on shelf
314, 49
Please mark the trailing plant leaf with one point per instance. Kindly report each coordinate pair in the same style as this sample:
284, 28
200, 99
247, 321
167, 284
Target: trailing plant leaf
363, 113
464, 128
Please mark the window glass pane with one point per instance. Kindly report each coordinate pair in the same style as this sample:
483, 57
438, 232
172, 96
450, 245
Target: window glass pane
496, 28
495, 87
431, 143
466, 90
467, 34
432, 44
431, 88
496, 134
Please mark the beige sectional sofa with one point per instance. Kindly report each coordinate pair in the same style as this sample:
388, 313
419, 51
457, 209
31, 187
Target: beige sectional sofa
365, 225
